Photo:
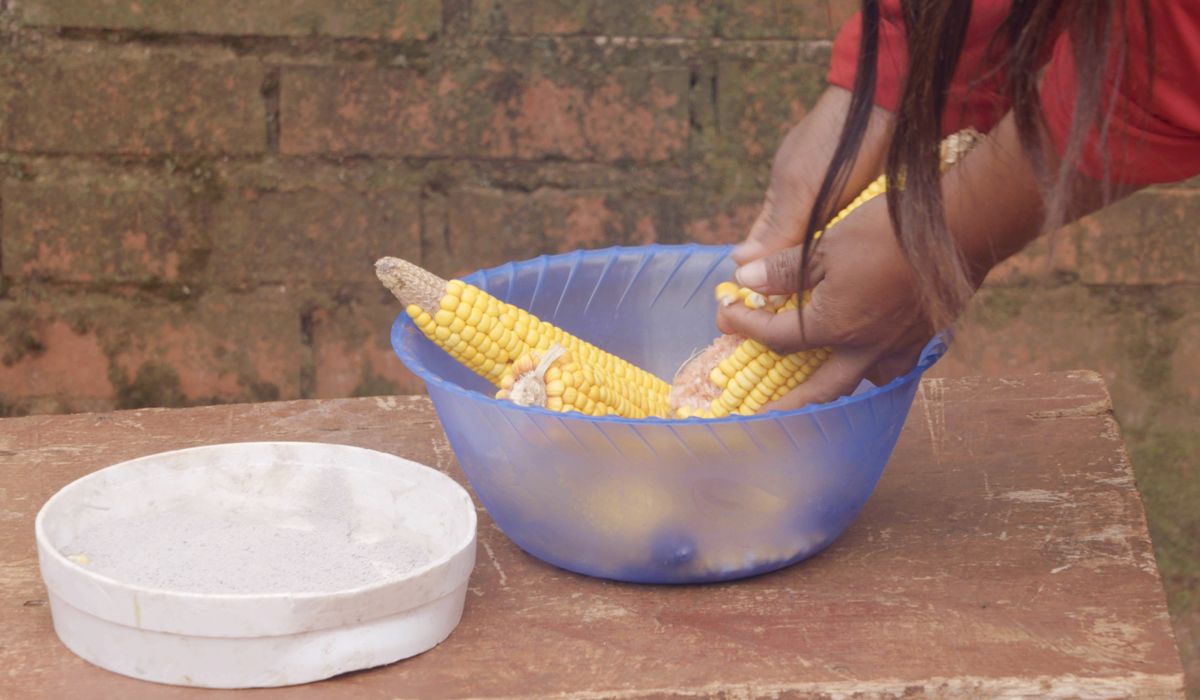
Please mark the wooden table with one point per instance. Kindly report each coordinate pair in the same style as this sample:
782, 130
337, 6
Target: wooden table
1004, 553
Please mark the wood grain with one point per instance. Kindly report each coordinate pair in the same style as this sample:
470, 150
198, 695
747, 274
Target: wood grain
1003, 554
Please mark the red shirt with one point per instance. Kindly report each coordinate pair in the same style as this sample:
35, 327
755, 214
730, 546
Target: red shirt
1154, 135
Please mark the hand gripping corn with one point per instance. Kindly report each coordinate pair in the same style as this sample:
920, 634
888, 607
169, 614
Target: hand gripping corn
745, 375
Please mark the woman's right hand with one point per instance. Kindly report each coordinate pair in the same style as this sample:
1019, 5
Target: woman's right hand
864, 302
799, 169
864, 305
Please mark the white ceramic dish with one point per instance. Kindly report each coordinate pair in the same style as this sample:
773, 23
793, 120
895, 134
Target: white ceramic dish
249, 639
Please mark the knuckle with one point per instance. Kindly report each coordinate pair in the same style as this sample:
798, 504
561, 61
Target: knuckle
783, 269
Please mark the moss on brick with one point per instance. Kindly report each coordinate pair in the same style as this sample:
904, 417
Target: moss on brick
257, 391
373, 384
155, 385
384, 19
999, 307
20, 333
1166, 464
96, 103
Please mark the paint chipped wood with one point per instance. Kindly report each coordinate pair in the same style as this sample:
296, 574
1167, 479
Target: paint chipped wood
1003, 554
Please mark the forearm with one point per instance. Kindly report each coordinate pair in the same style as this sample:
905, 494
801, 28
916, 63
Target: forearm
799, 169
994, 205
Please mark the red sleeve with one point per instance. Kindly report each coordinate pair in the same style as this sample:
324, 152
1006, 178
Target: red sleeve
1154, 134
976, 99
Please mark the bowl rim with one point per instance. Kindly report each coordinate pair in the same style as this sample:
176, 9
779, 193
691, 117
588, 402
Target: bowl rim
933, 350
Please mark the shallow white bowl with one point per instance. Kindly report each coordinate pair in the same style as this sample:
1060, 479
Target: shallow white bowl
260, 639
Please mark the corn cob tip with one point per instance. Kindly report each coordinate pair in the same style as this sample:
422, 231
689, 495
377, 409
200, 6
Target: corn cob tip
411, 284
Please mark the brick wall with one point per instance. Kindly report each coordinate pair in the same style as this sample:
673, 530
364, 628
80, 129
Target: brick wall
192, 193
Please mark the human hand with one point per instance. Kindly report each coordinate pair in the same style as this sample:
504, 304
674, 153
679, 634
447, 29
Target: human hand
799, 167
864, 294
863, 304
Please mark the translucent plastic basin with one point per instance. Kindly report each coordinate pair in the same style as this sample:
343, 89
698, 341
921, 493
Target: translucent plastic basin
655, 501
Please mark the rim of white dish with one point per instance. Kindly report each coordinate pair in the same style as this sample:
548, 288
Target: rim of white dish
378, 596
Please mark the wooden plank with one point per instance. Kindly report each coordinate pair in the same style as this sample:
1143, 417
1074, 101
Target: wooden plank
1003, 554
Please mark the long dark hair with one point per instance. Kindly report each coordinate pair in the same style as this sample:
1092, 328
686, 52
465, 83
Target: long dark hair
936, 31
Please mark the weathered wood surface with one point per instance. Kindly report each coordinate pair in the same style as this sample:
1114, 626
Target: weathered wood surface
1005, 553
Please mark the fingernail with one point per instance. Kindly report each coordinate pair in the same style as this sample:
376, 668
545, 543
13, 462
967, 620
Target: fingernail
749, 250
753, 275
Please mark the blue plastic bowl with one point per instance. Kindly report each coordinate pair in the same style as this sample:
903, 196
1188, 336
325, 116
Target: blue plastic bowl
655, 501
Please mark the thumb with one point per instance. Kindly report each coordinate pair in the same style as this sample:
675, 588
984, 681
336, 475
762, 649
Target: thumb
779, 225
780, 272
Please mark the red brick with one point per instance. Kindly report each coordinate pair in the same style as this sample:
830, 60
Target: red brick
376, 19
785, 19
100, 233
719, 221
1148, 238
1050, 257
686, 18
224, 347
352, 349
1185, 364
492, 227
330, 238
220, 348
100, 104
638, 115
45, 358
759, 102
530, 16
1143, 341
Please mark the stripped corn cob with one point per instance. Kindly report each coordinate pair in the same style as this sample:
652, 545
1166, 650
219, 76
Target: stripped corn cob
493, 338
753, 375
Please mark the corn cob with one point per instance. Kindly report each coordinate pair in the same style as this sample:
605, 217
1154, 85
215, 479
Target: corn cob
752, 375
493, 338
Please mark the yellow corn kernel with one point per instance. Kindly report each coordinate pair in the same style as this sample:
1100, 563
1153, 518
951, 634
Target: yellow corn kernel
727, 293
